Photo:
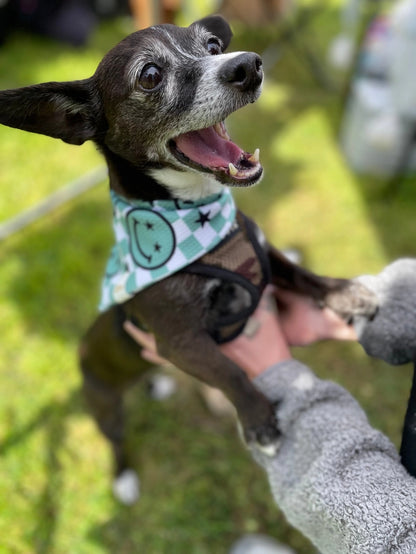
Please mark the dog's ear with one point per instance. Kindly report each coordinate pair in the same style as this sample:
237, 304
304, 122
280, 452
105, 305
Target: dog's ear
217, 25
60, 110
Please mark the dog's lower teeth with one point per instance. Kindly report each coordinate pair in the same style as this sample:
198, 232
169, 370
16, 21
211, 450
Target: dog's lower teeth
232, 169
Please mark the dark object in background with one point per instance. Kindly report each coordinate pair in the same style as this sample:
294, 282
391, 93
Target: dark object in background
66, 20
6, 19
69, 21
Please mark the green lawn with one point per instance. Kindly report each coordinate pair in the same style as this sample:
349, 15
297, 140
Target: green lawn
200, 489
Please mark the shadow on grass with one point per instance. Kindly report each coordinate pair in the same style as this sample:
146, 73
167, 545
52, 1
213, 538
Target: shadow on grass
53, 269
200, 489
52, 420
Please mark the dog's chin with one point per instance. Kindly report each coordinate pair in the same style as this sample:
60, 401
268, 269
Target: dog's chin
211, 151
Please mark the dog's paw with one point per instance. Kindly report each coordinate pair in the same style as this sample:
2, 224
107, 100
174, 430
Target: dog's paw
354, 299
126, 487
265, 438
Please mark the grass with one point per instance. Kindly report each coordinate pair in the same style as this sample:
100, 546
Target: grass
200, 489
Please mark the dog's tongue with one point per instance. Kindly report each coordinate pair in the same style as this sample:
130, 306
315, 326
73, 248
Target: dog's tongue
208, 149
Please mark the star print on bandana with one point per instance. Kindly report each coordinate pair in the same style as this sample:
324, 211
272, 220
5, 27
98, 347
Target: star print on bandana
156, 239
203, 218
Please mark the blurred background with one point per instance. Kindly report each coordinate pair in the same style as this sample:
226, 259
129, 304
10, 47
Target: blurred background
336, 128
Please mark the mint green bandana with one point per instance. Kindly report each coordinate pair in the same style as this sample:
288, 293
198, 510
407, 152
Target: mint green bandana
156, 239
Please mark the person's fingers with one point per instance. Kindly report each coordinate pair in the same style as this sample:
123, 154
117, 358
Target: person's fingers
144, 339
153, 358
147, 341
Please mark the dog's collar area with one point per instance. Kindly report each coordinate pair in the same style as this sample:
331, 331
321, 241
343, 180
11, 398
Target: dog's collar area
156, 239
211, 150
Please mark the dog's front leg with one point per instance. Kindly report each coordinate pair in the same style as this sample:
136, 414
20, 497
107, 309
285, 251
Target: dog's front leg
173, 311
346, 297
206, 362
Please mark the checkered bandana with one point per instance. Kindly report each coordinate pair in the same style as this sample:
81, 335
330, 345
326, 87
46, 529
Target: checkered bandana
156, 239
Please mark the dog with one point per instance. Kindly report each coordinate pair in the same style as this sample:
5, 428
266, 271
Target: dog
155, 108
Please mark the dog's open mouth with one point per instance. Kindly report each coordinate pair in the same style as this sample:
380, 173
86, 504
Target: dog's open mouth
211, 150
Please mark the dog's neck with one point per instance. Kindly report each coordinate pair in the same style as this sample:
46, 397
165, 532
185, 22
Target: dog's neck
186, 185
158, 183
132, 182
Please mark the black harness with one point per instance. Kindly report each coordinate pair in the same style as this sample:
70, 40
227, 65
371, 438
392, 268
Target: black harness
238, 259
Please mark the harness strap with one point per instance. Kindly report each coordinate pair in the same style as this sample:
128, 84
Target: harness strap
240, 260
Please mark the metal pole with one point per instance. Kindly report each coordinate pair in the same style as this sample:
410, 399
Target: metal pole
51, 202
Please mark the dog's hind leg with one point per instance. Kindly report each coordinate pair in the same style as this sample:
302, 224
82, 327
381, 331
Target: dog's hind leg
111, 363
106, 407
346, 297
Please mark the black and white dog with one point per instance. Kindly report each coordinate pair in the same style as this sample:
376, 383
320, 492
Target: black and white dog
186, 265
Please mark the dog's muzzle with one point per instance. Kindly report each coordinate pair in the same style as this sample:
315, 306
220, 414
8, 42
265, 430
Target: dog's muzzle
210, 149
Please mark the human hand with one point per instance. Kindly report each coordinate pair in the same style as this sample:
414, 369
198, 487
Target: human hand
262, 343
303, 321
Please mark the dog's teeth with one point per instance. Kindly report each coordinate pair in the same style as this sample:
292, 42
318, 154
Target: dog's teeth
233, 170
221, 130
225, 132
255, 158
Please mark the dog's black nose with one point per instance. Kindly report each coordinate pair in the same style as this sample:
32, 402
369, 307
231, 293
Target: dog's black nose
243, 72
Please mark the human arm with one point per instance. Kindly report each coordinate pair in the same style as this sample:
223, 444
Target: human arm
391, 334
339, 481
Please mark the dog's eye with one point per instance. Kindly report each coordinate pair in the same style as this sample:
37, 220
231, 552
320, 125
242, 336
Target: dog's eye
150, 77
214, 47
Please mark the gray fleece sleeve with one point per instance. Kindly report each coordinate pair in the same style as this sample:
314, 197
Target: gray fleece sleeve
391, 335
337, 480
